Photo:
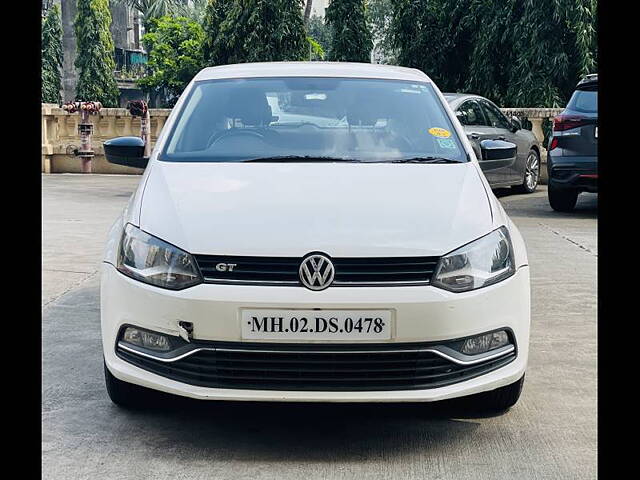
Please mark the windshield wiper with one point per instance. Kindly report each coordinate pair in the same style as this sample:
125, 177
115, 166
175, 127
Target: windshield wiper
300, 158
425, 160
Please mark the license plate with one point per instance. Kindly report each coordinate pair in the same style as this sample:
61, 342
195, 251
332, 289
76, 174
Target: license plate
350, 325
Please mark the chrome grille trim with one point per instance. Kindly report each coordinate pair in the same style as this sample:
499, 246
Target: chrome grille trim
438, 350
349, 271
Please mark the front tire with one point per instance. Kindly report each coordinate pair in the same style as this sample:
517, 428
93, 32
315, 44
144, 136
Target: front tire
562, 200
531, 173
499, 399
125, 394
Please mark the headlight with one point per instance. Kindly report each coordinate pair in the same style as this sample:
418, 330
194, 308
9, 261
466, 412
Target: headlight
480, 263
150, 260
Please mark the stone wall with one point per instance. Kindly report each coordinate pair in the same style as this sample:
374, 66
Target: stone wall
60, 135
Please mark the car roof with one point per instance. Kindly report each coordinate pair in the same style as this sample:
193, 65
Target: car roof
312, 69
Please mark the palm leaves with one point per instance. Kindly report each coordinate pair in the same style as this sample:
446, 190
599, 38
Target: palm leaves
151, 9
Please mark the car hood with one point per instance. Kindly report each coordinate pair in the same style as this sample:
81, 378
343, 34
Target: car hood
269, 209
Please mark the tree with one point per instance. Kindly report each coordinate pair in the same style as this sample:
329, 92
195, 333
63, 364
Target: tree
316, 52
275, 31
427, 36
351, 37
151, 9
544, 57
213, 45
379, 18
196, 9
319, 31
52, 56
259, 31
307, 11
94, 61
319, 35
502, 49
175, 55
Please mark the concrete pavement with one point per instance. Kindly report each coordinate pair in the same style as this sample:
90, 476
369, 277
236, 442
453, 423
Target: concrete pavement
549, 434
77, 213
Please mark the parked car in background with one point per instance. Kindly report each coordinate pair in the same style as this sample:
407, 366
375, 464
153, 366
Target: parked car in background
572, 161
314, 231
481, 120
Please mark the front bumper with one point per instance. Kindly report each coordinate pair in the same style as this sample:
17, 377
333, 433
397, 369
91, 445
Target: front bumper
422, 314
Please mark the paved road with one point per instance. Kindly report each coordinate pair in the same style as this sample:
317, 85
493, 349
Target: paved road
549, 434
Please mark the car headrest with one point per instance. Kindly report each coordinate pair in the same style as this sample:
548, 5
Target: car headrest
250, 106
362, 111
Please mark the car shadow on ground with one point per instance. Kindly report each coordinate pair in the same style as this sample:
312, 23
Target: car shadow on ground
537, 204
273, 431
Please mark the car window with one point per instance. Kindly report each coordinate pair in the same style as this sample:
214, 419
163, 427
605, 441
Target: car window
469, 113
495, 116
584, 101
234, 120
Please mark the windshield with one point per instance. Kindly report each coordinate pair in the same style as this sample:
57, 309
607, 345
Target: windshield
312, 118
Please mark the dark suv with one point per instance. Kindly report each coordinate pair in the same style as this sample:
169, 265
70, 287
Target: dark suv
572, 161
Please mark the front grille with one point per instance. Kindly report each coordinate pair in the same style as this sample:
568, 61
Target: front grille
355, 271
314, 367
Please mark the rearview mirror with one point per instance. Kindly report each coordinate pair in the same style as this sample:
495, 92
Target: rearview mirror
497, 154
515, 121
127, 151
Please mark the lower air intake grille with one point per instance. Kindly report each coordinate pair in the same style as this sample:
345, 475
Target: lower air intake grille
314, 367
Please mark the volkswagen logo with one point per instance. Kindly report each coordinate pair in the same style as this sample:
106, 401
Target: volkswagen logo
316, 272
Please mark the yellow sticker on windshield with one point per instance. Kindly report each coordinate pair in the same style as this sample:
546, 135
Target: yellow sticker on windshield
439, 132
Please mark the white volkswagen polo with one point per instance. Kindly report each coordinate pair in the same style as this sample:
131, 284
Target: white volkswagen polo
314, 232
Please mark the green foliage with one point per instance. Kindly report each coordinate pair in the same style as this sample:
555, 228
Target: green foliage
316, 52
175, 55
195, 10
52, 56
260, 31
213, 44
94, 61
379, 17
520, 54
153, 9
351, 37
320, 33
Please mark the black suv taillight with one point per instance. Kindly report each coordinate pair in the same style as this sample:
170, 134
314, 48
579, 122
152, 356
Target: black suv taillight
566, 122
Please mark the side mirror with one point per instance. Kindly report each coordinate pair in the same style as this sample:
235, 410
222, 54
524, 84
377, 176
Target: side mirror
127, 151
497, 154
515, 121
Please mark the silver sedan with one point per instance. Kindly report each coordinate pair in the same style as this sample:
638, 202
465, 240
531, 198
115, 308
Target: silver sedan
482, 120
